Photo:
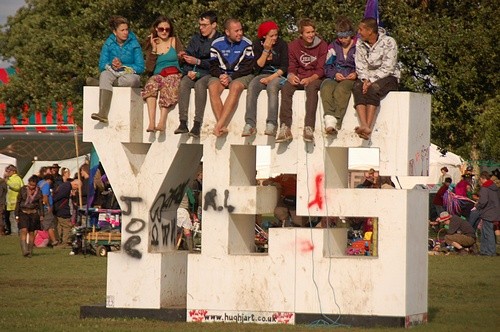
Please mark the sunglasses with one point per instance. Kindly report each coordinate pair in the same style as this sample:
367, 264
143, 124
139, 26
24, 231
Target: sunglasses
160, 29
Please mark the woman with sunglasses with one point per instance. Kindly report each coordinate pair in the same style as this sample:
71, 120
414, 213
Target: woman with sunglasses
120, 63
162, 62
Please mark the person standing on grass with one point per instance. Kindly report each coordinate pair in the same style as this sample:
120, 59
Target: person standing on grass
29, 212
489, 210
64, 209
438, 200
14, 184
3, 199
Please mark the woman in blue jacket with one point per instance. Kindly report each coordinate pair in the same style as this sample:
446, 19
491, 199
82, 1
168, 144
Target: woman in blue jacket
121, 62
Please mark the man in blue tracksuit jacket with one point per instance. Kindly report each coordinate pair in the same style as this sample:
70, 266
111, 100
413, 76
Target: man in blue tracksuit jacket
231, 66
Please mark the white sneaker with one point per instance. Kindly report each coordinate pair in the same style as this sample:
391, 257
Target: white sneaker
248, 130
270, 129
330, 124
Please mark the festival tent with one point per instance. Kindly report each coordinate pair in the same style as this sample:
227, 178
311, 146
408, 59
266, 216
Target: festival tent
452, 161
6, 161
72, 164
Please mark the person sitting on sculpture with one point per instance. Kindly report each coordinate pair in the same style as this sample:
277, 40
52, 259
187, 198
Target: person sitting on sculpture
120, 63
378, 73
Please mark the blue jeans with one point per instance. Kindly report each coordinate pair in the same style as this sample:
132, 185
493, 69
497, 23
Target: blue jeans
200, 97
488, 245
474, 218
254, 88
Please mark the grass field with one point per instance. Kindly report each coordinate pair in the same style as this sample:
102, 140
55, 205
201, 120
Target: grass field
44, 293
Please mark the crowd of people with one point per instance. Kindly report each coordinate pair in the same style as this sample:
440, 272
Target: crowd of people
466, 207
47, 205
364, 64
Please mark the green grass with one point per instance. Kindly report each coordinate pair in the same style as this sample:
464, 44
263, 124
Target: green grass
44, 293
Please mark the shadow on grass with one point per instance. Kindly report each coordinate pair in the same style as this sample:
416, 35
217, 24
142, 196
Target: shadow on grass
432, 313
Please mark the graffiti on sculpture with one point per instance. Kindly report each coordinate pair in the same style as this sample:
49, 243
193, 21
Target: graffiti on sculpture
420, 162
135, 226
318, 196
129, 245
128, 203
163, 215
211, 201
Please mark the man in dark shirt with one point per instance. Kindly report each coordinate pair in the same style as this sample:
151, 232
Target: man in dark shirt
196, 64
460, 233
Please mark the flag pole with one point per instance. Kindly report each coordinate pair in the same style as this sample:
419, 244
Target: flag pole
80, 199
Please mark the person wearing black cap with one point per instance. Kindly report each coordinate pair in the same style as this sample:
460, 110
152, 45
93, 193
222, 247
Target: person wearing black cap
54, 170
271, 64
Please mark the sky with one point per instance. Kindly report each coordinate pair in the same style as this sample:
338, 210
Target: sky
8, 8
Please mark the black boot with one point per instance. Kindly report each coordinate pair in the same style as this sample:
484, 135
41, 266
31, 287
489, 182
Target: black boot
104, 105
195, 131
183, 128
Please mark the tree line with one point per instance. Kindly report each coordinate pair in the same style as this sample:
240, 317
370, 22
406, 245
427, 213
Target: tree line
447, 48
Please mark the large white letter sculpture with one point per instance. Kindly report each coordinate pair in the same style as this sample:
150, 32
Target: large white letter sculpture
305, 273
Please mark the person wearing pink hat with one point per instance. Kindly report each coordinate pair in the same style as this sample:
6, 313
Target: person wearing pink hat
271, 64
459, 234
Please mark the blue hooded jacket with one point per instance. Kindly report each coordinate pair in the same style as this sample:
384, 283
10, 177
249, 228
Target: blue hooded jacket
130, 53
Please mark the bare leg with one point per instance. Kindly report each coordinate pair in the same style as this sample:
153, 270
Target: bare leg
371, 111
215, 90
52, 236
151, 102
162, 123
361, 110
232, 99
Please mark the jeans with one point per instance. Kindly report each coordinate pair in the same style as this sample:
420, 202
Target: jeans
474, 218
200, 97
107, 80
488, 245
312, 98
254, 88
335, 97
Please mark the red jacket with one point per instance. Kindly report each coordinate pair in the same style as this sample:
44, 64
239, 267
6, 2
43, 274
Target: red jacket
307, 61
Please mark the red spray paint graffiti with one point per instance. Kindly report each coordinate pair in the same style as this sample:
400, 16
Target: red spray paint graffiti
318, 197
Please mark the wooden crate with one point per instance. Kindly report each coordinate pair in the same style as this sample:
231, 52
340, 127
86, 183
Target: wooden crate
103, 236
